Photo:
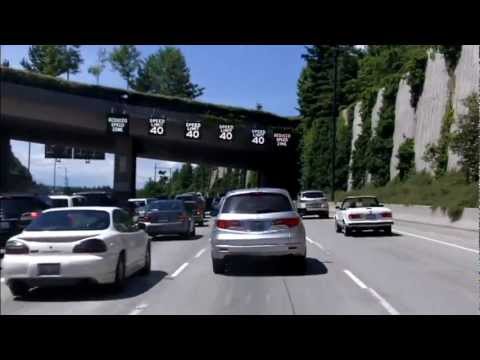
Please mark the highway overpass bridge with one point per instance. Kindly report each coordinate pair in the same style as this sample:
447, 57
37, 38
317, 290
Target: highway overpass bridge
49, 110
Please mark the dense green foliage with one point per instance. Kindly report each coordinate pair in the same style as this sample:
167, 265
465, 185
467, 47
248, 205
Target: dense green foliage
451, 192
53, 60
406, 159
452, 54
126, 60
465, 140
344, 140
165, 72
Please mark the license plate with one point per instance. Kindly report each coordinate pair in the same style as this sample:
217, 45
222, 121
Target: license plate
4, 225
48, 269
371, 217
258, 226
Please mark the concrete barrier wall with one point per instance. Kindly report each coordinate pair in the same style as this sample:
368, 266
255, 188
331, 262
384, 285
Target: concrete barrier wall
425, 215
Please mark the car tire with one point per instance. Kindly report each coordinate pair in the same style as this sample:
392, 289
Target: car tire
347, 231
120, 274
388, 230
148, 262
338, 229
218, 266
18, 289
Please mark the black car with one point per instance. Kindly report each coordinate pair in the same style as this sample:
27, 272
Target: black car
97, 198
16, 212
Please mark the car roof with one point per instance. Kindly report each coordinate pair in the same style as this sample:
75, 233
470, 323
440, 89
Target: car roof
91, 192
257, 190
307, 191
139, 199
108, 209
64, 196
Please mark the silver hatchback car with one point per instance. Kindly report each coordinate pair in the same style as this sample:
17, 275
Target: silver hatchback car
258, 222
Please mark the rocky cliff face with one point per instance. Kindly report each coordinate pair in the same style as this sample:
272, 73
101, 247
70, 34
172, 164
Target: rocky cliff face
467, 80
356, 131
375, 118
405, 123
431, 108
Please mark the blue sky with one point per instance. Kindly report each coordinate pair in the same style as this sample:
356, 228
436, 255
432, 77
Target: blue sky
238, 75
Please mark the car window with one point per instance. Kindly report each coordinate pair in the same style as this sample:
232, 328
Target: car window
59, 202
77, 201
166, 205
256, 203
122, 221
313, 194
360, 202
71, 220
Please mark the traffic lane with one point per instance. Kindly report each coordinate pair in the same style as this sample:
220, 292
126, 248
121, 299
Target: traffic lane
166, 255
464, 238
416, 276
262, 287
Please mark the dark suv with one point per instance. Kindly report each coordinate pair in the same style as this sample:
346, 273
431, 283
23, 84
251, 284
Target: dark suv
16, 212
97, 198
197, 205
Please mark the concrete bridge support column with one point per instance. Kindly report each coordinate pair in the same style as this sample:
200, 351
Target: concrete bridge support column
124, 169
4, 160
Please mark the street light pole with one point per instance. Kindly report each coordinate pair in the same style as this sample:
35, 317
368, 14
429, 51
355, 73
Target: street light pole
54, 174
334, 118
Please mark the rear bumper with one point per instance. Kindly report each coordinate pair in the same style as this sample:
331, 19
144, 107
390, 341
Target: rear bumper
167, 228
73, 268
221, 251
369, 225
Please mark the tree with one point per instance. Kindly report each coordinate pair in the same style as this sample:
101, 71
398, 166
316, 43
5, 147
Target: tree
73, 60
315, 98
97, 69
259, 107
465, 141
53, 60
126, 60
6, 63
165, 72
406, 159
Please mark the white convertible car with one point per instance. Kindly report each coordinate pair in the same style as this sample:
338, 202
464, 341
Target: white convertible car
66, 246
358, 213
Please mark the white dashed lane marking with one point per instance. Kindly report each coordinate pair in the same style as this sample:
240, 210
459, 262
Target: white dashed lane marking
197, 255
385, 304
179, 270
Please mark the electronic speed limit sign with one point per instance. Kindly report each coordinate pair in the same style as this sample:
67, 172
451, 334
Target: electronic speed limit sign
157, 126
225, 132
192, 130
258, 136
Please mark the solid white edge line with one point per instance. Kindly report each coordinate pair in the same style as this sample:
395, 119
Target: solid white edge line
179, 270
391, 310
437, 241
355, 279
198, 254
2, 280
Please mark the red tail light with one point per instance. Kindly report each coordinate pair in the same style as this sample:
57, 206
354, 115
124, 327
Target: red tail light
387, 214
227, 224
354, 216
182, 217
290, 222
35, 214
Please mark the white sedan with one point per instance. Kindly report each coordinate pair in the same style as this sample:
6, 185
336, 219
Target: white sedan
362, 213
67, 246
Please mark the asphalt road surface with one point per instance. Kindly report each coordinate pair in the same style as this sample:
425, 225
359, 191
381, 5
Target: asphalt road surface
420, 269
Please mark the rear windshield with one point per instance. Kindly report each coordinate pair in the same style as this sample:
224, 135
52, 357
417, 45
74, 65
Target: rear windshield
261, 203
97, 200
59, 202
165, 205
186, 198
360, 202
71, 220
313, 195
138, 203
14, 207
